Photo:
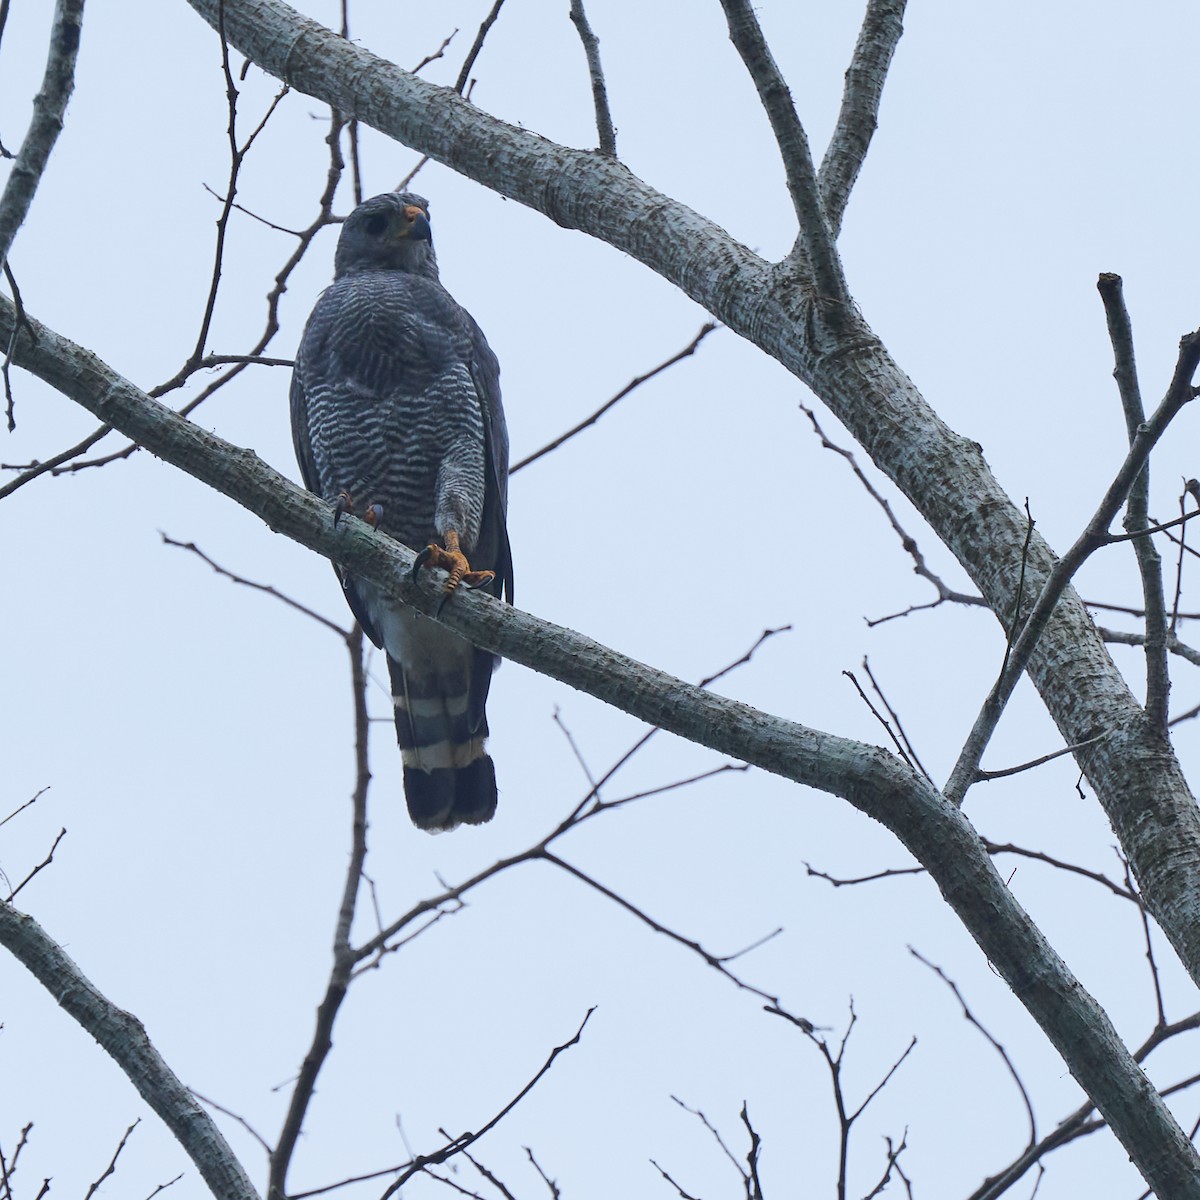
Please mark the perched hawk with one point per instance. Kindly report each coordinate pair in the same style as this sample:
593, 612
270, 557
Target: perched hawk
396, 416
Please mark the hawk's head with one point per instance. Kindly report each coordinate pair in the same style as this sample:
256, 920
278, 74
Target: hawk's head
387, 233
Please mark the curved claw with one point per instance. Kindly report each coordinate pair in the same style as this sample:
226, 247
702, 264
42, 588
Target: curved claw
420, 561
341, 506
373, 515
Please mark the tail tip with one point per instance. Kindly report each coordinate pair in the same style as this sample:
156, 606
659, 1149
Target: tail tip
446, 797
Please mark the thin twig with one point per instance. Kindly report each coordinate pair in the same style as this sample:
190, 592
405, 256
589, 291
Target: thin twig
1011, 632
714, 1132
1121, 637
834, 1061
717, 962
907, 542
258, 1137
550, 1183
266, 589
429, 58
880, 718
1155, 980
112, 1166
971, 1019
1183, 548
21, 808
62, 833
632, 385
910, 753
476, 47
457, 1145
1005, 772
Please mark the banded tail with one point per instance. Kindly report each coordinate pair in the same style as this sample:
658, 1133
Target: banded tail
449, 779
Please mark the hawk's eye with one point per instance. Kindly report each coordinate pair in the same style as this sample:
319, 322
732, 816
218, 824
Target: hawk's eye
376, 224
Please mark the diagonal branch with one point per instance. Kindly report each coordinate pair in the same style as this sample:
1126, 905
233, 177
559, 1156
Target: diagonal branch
632, 385
935, 832
122, 1035
815, 235
1091, 539
48, 108
858, 118
476, 46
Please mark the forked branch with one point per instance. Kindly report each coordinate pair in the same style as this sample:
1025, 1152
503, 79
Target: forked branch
816, 238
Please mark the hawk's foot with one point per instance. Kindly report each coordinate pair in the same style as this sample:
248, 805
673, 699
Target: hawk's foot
454, 562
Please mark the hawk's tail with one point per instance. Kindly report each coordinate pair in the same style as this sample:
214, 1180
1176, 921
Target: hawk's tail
449, 780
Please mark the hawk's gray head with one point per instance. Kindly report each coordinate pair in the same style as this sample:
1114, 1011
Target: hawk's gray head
387, 233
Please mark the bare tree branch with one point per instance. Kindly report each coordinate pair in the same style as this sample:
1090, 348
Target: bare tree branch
62, 833
632, 385
123, 1037
1006, 772
816, 238
1120, 332
343, 954
920, 567
971, 1019
1122, 637
461, 82
49, 107
591, 48
1138, 781
1090, 540
458, 1145
112, 1166
935, 832
858, 118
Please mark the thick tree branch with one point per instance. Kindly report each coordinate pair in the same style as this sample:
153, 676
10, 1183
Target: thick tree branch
874, 781
1135, 774
121, 1034
858, 118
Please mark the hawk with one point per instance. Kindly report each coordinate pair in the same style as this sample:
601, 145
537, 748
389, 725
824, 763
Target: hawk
396, 414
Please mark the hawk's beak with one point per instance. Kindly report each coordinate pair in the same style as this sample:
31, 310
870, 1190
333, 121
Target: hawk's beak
419, 224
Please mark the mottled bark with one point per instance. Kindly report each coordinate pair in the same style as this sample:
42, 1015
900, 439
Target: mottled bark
122, 1035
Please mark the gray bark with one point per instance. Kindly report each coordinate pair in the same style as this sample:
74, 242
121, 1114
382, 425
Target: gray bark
123, 1036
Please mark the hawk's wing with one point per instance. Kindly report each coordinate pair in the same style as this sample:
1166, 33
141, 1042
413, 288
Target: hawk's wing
308, 470
485, 374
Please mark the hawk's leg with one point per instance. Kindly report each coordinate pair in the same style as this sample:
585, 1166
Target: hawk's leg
372, 514
454, 561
